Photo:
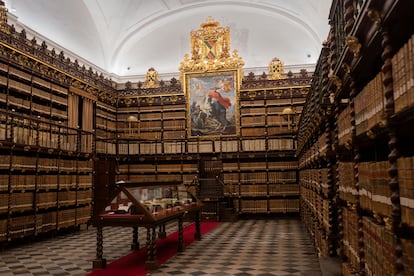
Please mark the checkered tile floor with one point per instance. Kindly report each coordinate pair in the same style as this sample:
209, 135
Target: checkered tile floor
245, 247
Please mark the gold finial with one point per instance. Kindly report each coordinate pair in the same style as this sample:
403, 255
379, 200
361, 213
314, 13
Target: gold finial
276, 69
353, 44
375, 16
151, 79
335, 80
4, 27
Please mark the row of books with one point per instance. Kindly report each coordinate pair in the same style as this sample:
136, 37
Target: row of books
151, 168
347, 190
280, 120
264, 165
105, 123
265, 190
407, 246
318, 205
374, 191
151, 178
29, 92
252, 110
164, 146
106, 147
27, 201
316, 151
105, 116
73, 217
260, 177
369, 105
251, 190
249, 100
379, 245
138, 128
268, 130
350, 237
344, 127
25, 182
33, 81
317, 178
321, 243
270, 205
19, 162
403, 76
406, 189
47, 139
29, 225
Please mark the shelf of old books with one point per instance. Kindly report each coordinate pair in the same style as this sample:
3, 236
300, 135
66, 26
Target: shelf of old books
105, 128
366, 90
44, 186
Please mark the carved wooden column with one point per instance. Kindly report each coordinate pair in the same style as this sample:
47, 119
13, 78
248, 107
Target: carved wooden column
349, 16
357, 157
151, 262
135, 242
99, 262
180, 235
392, 145
162, 234
197, 234
332, 211
340, 222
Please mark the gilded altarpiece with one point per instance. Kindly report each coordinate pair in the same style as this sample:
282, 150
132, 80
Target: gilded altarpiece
211, 82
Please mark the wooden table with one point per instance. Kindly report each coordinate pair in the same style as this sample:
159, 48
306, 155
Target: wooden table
150, 221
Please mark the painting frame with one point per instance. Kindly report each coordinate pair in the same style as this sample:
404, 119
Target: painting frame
212, 103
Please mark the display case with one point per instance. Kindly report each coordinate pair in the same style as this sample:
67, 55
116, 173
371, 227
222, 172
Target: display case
148, 205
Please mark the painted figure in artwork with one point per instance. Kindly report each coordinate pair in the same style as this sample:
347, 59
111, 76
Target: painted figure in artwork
212, 108
219, 105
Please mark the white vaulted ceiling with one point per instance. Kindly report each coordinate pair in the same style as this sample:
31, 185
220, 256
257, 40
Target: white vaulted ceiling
126, 37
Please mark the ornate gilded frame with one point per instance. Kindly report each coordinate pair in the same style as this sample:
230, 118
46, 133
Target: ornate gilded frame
212, 102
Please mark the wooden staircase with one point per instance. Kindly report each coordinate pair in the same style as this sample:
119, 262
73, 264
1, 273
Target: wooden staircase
211, 192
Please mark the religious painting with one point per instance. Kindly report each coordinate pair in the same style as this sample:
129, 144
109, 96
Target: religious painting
212, 103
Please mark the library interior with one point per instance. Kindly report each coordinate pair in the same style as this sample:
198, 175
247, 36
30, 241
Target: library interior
207, 137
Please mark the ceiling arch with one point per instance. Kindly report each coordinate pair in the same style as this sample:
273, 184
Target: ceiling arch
255, 11
125, 38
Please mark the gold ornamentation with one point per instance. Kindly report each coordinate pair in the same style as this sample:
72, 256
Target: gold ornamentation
151, 79
304, 91
346, 68
374, 15
210, 49
335, 80
276, 69
371, 134
353, 43
174, 98
388, 223
383, 122
278, 93
4, 27
252, 95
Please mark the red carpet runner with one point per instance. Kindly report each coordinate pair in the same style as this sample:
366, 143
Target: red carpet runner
133, 263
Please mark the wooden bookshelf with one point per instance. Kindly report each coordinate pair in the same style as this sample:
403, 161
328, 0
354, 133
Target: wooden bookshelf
355, 191
46, 170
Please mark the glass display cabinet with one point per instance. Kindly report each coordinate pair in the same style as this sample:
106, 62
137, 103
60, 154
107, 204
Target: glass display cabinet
148, 205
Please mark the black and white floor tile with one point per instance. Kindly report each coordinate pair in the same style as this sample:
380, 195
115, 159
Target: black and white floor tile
248, 247
261, 247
